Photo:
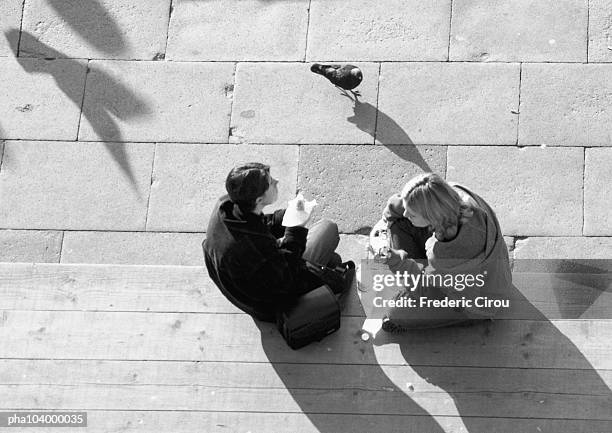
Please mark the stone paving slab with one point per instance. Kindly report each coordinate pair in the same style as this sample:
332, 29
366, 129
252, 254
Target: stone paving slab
564, 248
40, 99
519, 30
385, 30
133, 248
566, 105
260, 30
189, 178
534, 191
103, 29
75, 186
30, 246
286, 103
10, 11
353, 247
588, 256
157, 101
448, 103
154, 248
352, 183
600, 30
598, 192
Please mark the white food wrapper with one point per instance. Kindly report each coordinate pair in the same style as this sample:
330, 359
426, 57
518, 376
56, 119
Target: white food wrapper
298, 211
379, 239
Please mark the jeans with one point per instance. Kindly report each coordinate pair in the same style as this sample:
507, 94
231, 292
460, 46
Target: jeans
321, 244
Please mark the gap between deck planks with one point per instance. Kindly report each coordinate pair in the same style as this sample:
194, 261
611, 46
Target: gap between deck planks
244, 422
188, 289
293, 388
575, 344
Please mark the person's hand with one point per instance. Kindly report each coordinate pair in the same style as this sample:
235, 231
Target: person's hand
395, 256
386, 255
380, 255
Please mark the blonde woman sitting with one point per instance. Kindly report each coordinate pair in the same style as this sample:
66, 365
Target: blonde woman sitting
450, 236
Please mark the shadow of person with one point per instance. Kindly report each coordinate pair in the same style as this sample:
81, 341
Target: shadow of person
511, 376
119, 100
581, 288
387, 132
584, 290
92, 22
339, 386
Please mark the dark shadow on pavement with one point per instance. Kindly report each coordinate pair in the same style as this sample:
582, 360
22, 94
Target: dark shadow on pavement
2, 148
589, 284
582, 288
344, 398
546, 382
388, 132
92, 22
118, 100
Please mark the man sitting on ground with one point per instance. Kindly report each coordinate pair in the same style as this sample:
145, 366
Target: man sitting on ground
256, 262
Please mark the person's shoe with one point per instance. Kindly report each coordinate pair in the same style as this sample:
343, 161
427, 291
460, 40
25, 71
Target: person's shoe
335, 260
349, 264
389, 326
348, 270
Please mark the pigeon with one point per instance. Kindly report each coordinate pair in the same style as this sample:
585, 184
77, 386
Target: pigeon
346, 77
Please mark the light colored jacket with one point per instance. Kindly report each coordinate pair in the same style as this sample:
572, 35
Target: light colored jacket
458, 256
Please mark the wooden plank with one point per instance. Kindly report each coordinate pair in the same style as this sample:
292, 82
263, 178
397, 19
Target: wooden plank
565, 295
295, 388
109, 288
118, 288
188, 289
287, 375
244, 422
385, 402
237, 337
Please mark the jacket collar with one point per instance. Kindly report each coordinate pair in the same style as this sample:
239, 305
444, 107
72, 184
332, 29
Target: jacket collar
236, 219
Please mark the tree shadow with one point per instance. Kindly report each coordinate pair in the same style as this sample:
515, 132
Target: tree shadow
527, 370
92, 22
119, 101
388, 132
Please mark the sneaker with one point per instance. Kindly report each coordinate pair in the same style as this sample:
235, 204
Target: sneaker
348, 276
389, 326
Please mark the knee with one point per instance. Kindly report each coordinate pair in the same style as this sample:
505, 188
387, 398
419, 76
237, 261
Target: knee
330, 228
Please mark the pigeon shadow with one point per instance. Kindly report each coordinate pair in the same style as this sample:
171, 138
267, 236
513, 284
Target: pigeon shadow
92, 22
526, 371
343, 397
119, 101
387, 132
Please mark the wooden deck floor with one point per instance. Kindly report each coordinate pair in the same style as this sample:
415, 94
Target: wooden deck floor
157, 349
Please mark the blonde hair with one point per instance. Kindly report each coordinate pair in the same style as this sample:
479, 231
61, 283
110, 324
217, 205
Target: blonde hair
434, 199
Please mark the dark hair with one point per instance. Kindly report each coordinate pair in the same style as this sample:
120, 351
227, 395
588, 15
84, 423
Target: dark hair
246, 182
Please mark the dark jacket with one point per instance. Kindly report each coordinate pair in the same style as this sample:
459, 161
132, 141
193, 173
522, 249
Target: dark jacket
255, 261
